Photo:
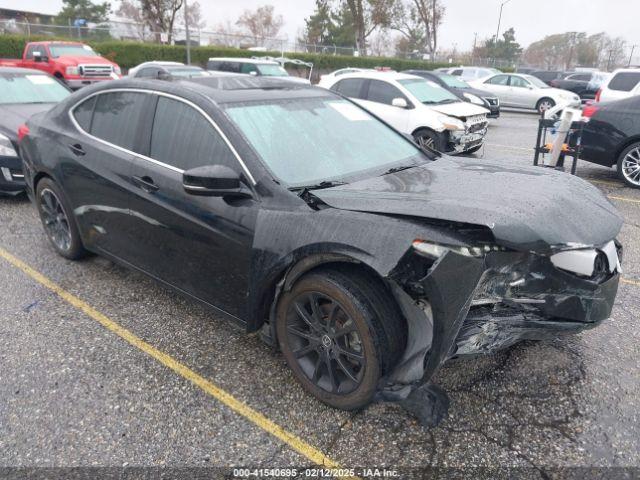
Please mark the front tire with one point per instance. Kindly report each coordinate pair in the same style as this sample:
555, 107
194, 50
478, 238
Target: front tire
339, 332
57, 220
545, 104
431, 140
629, 165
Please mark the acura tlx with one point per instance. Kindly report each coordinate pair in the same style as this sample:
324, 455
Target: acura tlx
289, 208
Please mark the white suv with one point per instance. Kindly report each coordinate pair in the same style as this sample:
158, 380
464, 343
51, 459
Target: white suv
435, 117
623, 83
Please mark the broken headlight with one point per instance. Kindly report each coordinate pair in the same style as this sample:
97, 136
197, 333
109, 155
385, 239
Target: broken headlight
451, 123
436, 250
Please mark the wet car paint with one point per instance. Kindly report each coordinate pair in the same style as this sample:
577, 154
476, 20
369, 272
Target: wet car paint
277, 236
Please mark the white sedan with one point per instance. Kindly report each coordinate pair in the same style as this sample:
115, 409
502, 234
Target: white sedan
526, 91
435, 117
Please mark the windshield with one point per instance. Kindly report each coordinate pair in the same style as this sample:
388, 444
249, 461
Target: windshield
187, 72
269, 70
428, 92
306, 141
22, 89
453, 81
61, 50
535, 81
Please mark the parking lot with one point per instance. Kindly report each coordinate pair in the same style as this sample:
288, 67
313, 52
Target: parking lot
104, 367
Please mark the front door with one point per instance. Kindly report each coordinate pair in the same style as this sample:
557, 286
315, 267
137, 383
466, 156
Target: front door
200, 245
378, 99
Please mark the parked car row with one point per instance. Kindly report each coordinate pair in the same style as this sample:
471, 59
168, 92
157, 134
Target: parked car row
367, 260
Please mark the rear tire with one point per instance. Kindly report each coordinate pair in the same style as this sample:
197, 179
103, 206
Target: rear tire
339, 332
58, 221
629, 165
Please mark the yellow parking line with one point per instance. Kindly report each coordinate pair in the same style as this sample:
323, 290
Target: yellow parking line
296, 443
604, 182
631, 282
624, 199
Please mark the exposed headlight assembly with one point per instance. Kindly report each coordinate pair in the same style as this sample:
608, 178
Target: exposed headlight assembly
451, 123
72, 71
436, 250
117, 70
6, 147
473, 98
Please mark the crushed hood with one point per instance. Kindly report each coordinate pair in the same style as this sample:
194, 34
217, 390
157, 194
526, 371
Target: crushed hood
527, 208
459, 109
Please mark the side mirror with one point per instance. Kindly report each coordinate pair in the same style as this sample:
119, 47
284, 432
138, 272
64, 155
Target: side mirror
163, 75
214, 181
253, 73
399, 102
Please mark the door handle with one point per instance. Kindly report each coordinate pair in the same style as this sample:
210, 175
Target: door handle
146, 183
77, 150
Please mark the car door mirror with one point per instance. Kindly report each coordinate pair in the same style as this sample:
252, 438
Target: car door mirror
399, 102
215, 181
38, 57
163, 75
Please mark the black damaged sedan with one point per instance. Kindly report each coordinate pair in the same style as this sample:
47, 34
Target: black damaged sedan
367, 261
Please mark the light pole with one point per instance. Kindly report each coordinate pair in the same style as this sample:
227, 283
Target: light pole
499, 20
186, 26
633, 47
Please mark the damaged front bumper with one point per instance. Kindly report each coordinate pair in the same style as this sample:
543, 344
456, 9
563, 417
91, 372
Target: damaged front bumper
461, 142
460, 304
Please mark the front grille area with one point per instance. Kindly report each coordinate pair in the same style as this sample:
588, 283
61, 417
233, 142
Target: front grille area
95, 71
476, 123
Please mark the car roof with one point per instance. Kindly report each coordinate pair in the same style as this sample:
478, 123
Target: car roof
379, 75
243, 60
159, 62
223, 88
25, 71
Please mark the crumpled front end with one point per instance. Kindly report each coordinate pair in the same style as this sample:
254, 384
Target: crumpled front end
468, 301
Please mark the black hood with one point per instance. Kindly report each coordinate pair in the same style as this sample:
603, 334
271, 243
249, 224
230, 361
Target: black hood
14, 115
527, 208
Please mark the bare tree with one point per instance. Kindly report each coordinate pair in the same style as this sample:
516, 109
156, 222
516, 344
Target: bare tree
194, 16
405, 19
160, 15
431, 13
131, 9
262, 23
367, 16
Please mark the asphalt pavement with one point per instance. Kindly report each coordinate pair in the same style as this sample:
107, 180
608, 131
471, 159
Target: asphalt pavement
101, 366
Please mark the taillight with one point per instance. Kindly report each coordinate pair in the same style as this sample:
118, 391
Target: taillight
588, 111
598, 93
23, 131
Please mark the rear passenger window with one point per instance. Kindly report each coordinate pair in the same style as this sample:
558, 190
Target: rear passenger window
349, 87
116, 117
498, 80
624, 81
183, 138
83, 113
382, 92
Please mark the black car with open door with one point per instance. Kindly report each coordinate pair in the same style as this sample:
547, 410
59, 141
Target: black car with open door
294, 211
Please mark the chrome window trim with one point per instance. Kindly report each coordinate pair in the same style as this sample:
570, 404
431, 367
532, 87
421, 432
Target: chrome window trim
144, 157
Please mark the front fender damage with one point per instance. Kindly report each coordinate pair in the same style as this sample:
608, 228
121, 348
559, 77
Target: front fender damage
433, 327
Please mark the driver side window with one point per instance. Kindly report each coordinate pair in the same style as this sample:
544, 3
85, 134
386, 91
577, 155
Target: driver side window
383, 92
183, 138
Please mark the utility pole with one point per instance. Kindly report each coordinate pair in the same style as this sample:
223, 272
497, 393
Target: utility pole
186, 26
633, 47
500, 20
609, 59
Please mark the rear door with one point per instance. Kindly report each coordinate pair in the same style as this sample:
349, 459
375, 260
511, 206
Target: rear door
98, 173
200, 245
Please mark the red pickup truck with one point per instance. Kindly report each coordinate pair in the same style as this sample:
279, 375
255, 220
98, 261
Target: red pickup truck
73, 63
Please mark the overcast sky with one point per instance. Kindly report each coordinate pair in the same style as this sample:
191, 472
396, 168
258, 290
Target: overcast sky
532, 19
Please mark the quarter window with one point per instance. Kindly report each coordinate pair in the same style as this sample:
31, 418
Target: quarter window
383, 92
83, 113
183, 138
499, 80
117, 116
625, 81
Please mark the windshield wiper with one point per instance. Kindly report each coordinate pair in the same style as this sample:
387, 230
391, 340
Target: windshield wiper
448, 100
399, 169
318, 186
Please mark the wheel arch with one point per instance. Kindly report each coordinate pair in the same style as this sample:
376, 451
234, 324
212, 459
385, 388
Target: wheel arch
623, 146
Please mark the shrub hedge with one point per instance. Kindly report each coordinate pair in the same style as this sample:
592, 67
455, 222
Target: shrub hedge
128, 54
